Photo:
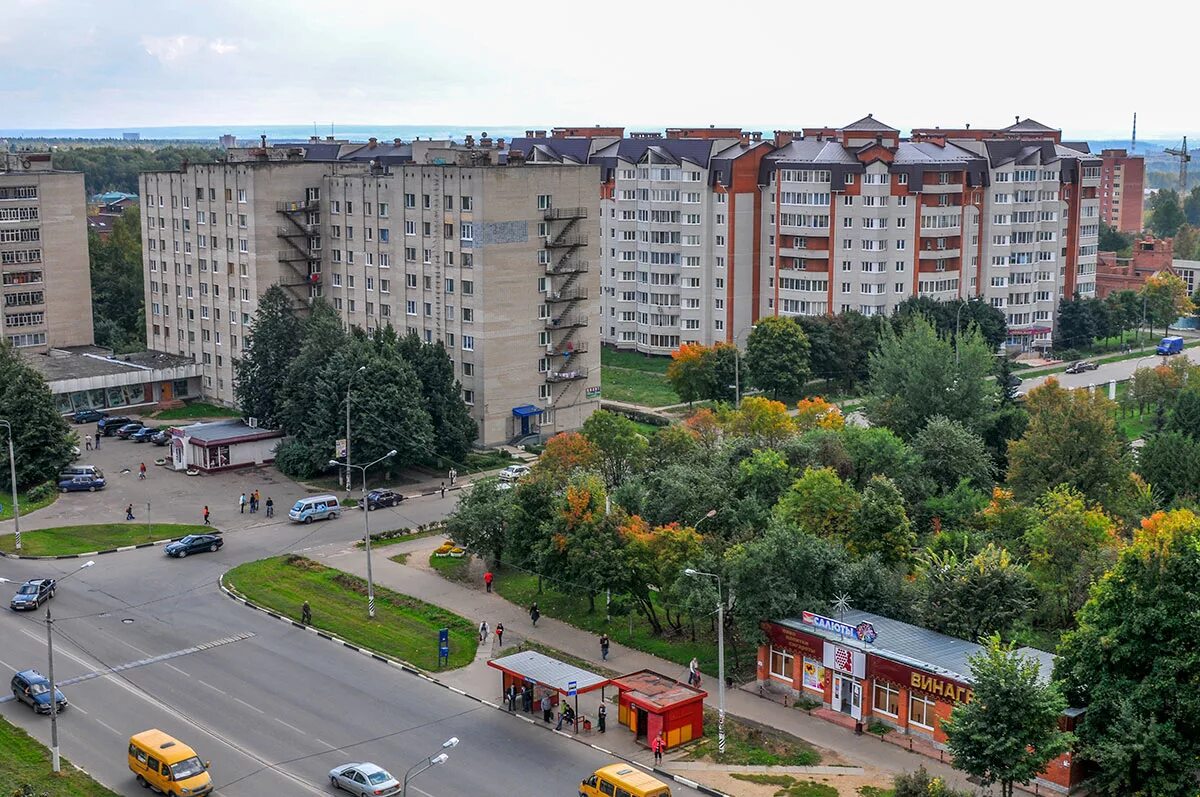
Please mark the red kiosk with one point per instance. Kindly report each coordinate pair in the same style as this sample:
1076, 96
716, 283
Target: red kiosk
650, 703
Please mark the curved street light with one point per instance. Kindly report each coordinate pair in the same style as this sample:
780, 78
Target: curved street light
366, 522
691, 571
428, 763
54, 756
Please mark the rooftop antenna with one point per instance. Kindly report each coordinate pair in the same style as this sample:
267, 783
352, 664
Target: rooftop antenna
1133, 140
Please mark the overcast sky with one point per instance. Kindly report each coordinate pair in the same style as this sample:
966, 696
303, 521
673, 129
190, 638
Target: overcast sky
135, 63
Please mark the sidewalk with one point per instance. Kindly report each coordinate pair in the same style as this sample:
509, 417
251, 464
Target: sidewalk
478, 679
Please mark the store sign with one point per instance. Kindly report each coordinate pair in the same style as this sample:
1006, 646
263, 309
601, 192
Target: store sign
919, 680
793, 640
863, 632
843, 659
591, 392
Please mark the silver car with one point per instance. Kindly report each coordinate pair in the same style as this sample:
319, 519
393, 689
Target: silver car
366, 780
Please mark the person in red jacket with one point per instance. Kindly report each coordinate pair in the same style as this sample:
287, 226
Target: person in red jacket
658, 745
487, 580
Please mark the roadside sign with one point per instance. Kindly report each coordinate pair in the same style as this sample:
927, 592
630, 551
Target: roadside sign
572, 688
339, 448
443, 646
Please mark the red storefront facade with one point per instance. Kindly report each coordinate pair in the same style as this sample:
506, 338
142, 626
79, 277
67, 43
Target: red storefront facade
875, 681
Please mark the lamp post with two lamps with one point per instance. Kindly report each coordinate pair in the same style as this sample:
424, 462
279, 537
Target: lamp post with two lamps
428, 763
720, 651
366, 508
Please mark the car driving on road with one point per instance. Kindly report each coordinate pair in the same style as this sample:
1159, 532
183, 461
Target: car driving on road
366, 780
378, 498
193, 543
1079, 366
514, 472
33, 689
32, 594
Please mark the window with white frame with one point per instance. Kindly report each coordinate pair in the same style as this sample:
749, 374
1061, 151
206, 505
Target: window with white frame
921, 711
886, 699
782, 664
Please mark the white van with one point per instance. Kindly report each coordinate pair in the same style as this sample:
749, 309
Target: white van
315, 507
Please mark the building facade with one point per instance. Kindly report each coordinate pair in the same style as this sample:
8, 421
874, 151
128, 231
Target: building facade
1122, 190
44, 269
462, 244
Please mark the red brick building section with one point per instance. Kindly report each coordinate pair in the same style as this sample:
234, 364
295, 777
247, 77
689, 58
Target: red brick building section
1150, 256
1122, 183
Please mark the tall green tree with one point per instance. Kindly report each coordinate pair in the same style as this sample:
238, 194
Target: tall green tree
1185, 417
1076, 327
1166, 299
1132, 659
1008, 732
261, 374
820, 503
42, 439
1166, 213
454, 431
954, 317
582, 551
622, 448
116, 168
483, 519
118, 300
1191, 207
777, 357
1186, 244
881, 525
916, 375
1072, 439
972, 597
949, 452
1170, 464
1113, 240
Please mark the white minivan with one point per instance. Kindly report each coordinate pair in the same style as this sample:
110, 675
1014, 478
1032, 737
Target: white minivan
315, 507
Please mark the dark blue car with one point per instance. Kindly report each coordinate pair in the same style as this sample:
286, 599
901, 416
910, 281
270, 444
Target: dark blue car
33, 688
88, 416
77, 484
33, 594
143, 434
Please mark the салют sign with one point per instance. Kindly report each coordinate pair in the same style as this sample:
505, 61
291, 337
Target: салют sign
863, 632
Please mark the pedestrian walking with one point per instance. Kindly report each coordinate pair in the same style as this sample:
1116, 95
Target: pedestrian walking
487, 580
129, 513
658, 745
142, 472
270, 507
242, 504
483, 632
306, 613
98, 436
87, 440
206, 516
601, 715
443, 489
500, 635
511, 695
693, 671
547, 709
604, 647
534, 614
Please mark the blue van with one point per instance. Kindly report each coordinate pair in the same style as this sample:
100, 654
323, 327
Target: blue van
315, 507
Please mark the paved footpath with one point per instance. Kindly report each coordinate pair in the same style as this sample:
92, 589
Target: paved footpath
478, 679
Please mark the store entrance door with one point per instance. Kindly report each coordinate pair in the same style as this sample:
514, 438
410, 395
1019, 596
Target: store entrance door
846, 704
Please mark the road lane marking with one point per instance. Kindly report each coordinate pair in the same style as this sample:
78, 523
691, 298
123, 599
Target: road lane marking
289, 725
247, 705
77, 708
210, 686
111, 728
176, 669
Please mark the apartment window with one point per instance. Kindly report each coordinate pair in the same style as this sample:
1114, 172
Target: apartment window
466, 203
410, 307
468, 395
468, 343
887, 699
425, 201
466, 230
920, 711
468, 287
410, 280
544, 201
468, 315
428, 307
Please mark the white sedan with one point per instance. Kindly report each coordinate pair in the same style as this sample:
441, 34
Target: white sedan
366, 780
513, 472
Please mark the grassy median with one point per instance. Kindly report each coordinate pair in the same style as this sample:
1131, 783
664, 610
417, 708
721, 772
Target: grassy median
27, 505
25, 762
63, 540
403, 628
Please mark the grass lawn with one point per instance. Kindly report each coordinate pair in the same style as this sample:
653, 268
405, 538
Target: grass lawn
377, 542
453, 568
635, 378
64, 540
521, 588
754, 745
403, 628
25, 762
790, 786
400, 558
27, 506
197, 409
1130, 423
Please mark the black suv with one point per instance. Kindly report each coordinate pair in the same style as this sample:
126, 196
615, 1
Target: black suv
378, 498
109, 426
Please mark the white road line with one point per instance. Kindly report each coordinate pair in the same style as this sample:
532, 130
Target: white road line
77, 708
111, 728
8, 666
210, 686
289, 725
176, 669
247, 705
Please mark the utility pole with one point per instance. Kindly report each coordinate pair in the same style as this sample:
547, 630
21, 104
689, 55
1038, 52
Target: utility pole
54, 758
350, 473
12, 466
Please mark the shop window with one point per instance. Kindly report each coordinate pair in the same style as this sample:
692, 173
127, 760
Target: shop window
782, 664
920, 711
887, 700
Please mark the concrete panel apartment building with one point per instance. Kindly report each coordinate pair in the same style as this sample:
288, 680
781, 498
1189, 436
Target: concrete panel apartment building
705, 230
1122, 190
44, 270
465, 244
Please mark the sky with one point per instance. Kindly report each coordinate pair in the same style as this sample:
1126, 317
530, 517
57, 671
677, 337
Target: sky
144, 63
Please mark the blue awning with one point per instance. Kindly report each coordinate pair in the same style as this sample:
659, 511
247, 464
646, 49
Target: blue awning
526, 410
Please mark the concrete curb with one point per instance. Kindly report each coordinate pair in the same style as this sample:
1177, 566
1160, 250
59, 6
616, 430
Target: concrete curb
91, 553
412, 669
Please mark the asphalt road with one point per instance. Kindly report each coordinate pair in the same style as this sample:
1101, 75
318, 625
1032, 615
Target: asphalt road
1104, 374
274, 711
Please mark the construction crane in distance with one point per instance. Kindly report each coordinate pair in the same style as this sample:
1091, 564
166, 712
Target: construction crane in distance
1184, 156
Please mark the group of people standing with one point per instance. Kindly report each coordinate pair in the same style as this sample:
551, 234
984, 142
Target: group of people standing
566, 714
252, 500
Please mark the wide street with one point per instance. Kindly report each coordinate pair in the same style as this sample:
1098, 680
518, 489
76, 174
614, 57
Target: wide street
1107, 372
271, 706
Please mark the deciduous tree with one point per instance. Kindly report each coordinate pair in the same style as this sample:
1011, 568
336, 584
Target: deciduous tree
817, 413
777, 356
973, 597
482, 521
949, 452
1166, 297
881, 524
621, 448
42, 439
759, 418
566, 453
820, 503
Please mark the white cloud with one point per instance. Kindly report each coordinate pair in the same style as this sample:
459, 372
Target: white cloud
222, 47
171, 48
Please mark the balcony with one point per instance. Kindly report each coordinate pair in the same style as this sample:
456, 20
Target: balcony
298, 230
567, 265
569, 295
556, 214
296, 256
568, 375
934, 254
566, 239
566, 322
942, 188
296, 207
571, 349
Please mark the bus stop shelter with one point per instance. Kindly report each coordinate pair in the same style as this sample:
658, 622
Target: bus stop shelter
547, 676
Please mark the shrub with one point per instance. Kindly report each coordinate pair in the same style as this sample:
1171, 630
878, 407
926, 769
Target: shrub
42, 492
297, 459
921, 784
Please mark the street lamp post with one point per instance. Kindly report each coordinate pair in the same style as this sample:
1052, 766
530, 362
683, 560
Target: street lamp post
366, 508
707, 515
957, 314
428, 763
737, 367
12, 465
720, 656
349, 383
54, 757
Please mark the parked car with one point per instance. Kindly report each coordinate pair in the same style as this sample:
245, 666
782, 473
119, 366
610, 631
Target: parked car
70, 471
143, 434
126, 431
514, 472
1079, 366
88, 416
32, 594
378, 498
1169, 345
161, 437
33, 689
108, 426
79, 484
193, 543
366, 780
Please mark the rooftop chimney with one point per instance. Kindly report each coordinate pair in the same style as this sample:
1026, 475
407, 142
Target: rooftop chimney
1017, 119
372, 142
263, 139
470, 142
397, 142
499, 143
